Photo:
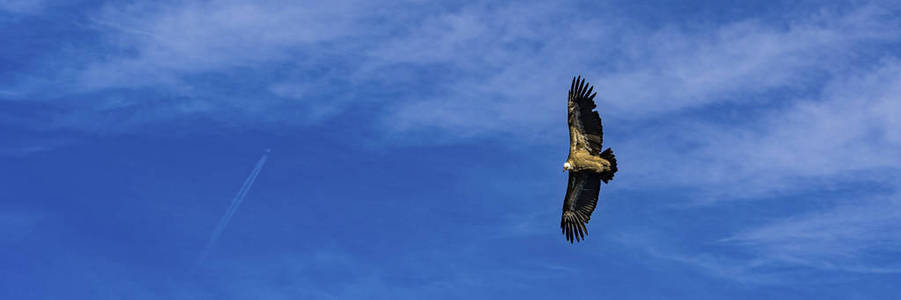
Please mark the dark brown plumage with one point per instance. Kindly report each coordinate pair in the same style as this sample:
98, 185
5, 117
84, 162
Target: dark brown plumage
587, 165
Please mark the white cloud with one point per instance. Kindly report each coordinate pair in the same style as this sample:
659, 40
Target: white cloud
474, 70
502, 71
514, 64
672, 69
166, 41
862, 236
844, 135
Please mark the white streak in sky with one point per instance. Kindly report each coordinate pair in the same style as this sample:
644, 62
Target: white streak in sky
236, 202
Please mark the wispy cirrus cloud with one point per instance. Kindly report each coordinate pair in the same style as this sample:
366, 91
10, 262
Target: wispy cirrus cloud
165, 43
860, 236
841, 145
513, 67
845, 134
226, 61
470, 70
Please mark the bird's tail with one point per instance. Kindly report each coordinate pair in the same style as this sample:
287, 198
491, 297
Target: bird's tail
608, 155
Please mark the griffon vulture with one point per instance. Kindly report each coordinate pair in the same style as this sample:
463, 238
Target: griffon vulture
587, 165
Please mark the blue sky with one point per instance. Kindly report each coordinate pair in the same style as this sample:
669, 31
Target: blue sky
417, 149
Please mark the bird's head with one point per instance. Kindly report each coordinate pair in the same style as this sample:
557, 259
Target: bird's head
567, 166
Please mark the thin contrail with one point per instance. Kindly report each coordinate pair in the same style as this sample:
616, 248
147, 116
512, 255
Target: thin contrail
236, 202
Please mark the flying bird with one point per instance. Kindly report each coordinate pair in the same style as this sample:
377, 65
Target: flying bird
587, 165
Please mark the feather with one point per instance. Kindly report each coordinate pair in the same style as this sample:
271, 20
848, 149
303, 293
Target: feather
586, 140
580, 201
583, 118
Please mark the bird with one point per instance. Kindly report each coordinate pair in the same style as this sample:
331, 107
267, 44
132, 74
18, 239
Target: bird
588, 166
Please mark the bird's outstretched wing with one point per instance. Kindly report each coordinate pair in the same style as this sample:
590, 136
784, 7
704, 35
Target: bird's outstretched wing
585, 131
580, 200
